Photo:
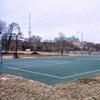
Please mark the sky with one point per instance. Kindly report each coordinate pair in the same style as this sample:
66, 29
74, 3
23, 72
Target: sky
49, 17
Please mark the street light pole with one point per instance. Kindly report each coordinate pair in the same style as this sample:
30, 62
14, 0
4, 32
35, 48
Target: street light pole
81, 42
1, 61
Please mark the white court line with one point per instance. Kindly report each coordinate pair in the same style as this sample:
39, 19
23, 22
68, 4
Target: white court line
49, 63
87, 59
34, 72
81, 74
58, 77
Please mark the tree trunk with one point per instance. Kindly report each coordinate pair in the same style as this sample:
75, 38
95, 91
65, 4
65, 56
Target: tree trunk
8, 43
16, 49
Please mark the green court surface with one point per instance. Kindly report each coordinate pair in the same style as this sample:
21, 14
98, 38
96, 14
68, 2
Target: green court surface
52, 70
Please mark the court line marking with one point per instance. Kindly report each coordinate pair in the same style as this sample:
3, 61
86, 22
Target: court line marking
34, 72
32, 61
89, 72
82, 59
53, 76
50, 63
65, 62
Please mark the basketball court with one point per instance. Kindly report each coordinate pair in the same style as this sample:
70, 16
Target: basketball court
52, 70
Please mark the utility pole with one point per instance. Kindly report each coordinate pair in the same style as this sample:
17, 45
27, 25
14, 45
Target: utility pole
1, 61
81, 42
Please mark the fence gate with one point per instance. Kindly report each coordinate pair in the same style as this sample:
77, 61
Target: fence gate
0, 51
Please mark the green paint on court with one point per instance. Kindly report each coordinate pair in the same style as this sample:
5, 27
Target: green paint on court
52, 70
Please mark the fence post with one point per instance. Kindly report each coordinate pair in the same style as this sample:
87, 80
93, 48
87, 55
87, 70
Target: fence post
1, 61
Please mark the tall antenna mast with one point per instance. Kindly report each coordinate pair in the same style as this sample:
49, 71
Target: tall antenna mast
29, 26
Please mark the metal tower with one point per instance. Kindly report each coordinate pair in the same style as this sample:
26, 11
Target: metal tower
29, 26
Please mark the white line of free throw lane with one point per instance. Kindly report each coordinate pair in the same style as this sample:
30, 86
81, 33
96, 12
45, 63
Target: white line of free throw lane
53, 76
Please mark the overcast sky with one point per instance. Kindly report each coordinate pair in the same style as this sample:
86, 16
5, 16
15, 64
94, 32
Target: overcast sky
49, 17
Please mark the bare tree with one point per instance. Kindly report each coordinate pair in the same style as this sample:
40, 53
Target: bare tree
2, 27
48, 46
18, 37
60, 43
10, 33
35, 41
2, 31
57, 45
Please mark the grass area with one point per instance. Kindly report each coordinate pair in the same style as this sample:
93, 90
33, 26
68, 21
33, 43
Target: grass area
19, 88
87, 80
